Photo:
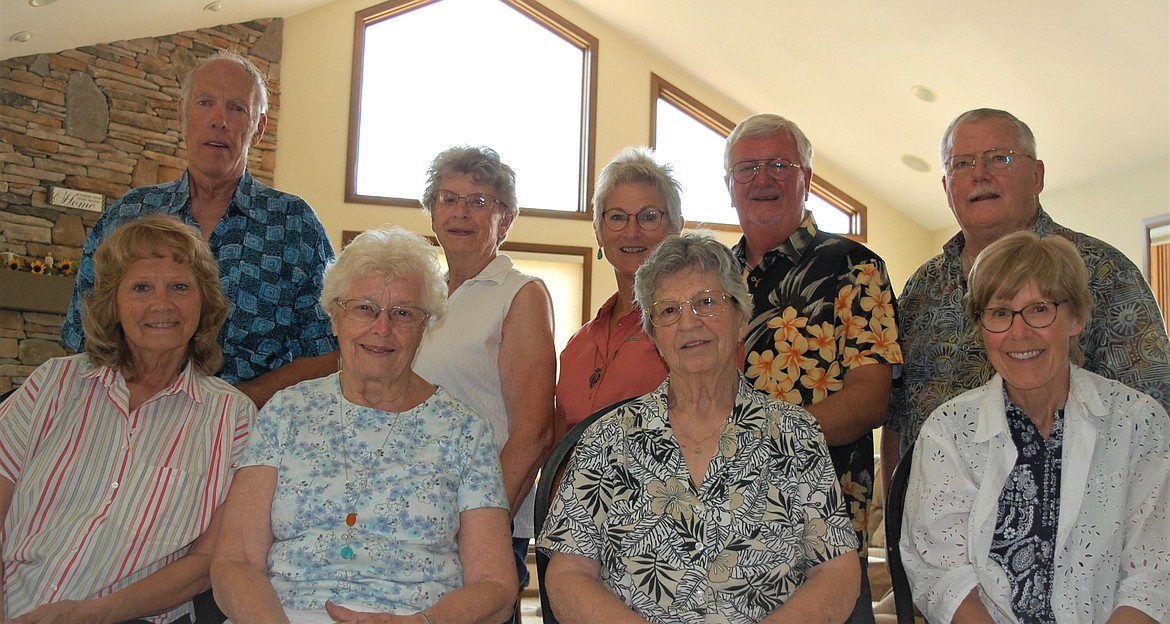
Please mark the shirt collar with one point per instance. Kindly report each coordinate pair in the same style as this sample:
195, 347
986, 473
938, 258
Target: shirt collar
1044, 226
794, 248
241, 197
112, 378
496, 271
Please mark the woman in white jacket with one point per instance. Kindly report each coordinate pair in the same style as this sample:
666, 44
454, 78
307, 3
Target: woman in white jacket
1043, 496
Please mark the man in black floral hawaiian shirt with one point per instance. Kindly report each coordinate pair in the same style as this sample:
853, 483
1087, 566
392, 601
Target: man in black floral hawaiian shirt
823, 334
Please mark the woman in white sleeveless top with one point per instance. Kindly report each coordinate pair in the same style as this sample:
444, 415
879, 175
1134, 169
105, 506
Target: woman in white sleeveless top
494, 348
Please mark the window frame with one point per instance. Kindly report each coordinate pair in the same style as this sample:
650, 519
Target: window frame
700, 112
542, 16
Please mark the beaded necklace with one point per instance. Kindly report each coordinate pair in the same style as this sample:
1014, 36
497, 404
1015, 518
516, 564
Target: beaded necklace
350, 518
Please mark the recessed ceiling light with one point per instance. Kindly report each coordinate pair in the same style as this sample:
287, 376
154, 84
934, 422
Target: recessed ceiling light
40, 3
926, 94
214, 6
915, 163
22, 36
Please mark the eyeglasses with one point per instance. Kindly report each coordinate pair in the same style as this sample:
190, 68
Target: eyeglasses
706, 303
1037, 315
997, 160
780, 169
616, 220
473, 200
366, 312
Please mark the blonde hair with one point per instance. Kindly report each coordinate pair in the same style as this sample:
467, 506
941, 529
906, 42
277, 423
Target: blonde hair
1052, 263
154, 236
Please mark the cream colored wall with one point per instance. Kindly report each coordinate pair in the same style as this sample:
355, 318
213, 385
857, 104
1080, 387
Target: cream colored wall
315, 81
1111, 208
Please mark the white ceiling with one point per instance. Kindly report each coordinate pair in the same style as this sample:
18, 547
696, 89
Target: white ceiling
1091, 78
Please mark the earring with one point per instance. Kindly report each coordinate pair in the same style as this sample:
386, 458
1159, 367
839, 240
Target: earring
599, 253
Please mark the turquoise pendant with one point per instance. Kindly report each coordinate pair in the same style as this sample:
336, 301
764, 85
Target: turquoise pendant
347, 553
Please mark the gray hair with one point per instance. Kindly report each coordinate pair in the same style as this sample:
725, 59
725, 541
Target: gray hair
698, 250
766, 125
260, 88
636, 165
390, 253
1024, 136
484, 166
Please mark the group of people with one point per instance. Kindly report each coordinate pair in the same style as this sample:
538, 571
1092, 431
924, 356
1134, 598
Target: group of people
388, 472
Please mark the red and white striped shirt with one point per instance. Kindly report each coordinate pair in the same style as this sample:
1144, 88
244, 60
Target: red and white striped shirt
105, 496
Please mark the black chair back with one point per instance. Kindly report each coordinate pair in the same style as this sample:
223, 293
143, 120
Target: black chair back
895, 501
550, 476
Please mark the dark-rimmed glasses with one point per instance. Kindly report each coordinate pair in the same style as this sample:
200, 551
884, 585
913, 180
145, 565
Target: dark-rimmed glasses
780, 169
706, 303
477, 201
998, 160
1037, 315
616, 219
366, 312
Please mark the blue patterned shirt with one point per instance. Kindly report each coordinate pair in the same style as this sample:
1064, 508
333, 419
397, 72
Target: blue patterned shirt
272, 252
405, 477
1125, 338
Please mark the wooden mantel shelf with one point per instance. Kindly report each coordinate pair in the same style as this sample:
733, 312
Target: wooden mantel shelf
20, 290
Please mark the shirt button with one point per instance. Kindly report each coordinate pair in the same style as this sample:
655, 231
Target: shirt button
114, 485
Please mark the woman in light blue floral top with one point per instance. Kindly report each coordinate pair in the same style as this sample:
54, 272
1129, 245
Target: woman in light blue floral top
371, 490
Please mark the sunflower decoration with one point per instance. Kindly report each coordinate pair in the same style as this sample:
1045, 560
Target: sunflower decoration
38, 267
65, 267
14, 263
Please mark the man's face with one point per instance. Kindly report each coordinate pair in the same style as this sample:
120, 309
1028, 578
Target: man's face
989, 204
769, 210
221, 121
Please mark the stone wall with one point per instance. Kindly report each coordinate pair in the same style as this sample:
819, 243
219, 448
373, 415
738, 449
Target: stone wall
101, 119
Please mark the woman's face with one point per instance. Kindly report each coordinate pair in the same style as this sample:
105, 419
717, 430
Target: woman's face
159, 303
698, 345
378, 349
1032, 361
627, 248
468, 230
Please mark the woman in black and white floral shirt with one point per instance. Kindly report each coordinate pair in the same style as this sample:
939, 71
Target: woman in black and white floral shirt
704, 500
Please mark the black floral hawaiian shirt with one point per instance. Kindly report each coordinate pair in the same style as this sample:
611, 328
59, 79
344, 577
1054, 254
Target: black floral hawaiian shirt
823, 306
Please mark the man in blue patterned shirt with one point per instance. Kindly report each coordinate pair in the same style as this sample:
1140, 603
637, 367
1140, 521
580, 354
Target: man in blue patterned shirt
271, 247
993, 180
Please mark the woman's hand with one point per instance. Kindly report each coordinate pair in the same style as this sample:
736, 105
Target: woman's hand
64, 612
348, 616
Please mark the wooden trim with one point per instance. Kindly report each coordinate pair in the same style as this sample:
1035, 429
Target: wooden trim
842, 200
660, 88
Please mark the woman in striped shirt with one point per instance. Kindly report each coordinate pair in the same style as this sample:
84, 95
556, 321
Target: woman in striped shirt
113, 461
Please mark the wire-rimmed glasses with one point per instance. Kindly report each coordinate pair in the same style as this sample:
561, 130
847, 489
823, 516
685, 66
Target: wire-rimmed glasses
706, 303
366, 312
